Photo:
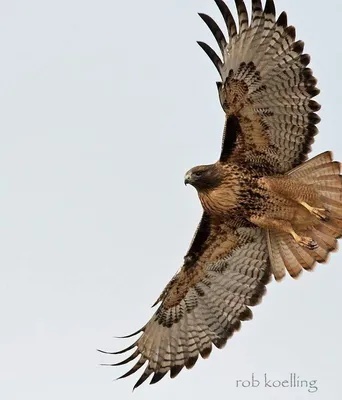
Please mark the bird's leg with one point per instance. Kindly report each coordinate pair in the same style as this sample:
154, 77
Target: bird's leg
320, 213
283, 226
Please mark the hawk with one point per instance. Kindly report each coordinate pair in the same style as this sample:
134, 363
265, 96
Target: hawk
266, 210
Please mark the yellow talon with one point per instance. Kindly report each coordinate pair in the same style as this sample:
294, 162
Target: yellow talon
320, 213
304, 241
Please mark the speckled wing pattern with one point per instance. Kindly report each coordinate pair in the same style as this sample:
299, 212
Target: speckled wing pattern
266, 93
224, 272
266, 85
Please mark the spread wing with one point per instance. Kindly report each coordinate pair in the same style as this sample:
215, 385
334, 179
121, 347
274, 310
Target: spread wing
266, 89
224, 272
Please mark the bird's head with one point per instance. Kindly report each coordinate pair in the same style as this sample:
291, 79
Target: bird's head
203, 177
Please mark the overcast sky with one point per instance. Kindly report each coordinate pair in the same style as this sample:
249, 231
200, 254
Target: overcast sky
104, 106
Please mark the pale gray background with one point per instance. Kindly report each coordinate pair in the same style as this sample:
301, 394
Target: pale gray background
104, 105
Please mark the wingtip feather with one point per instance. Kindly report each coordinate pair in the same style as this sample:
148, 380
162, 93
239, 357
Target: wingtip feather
270, 7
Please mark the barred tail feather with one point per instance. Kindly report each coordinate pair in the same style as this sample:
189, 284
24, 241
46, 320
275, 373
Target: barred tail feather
323, 174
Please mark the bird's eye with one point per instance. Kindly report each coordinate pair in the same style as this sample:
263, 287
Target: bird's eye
197, 174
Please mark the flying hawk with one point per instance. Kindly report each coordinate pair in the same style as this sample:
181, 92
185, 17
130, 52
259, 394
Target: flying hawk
265, 210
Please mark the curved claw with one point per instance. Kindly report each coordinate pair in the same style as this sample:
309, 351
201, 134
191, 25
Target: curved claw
321, 213
307, 242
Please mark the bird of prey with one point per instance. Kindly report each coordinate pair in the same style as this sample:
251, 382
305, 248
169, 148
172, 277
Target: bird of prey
266, 210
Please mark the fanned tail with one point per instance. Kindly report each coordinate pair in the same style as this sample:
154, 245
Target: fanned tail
324, 175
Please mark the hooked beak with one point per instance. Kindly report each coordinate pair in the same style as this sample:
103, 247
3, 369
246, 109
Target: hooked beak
187, 178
